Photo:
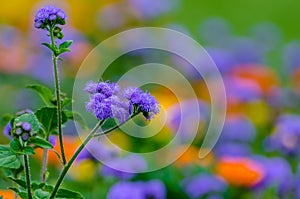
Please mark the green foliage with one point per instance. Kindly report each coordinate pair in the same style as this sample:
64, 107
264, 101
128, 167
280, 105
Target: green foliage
48, 118
51, 47
65, 44
40, 194
9, 159
44, 92
39, 142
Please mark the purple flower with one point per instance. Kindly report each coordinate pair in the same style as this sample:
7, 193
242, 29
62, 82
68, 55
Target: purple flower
52, 140
278, 175
154, 189
141, 101
91, 87
49, 15
238, 129
96, 150
286, 137
203, 184
106, 101
232, 149
26, 126
125, 190
7, 131
150, 9
125, 167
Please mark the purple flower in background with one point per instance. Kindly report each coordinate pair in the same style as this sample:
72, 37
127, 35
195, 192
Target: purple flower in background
278, 175
111, 17
247, 51
49, 15
232, 149
291, 56
286, 137
7, 131
238, 129
238, 89
126, 190
154, 189
97, 150
149, 9
125, 167
223, 59
203, 184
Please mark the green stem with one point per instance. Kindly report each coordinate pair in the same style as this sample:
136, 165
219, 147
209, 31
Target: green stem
58, 100
73, 158
44, 163
27, 174
87, 139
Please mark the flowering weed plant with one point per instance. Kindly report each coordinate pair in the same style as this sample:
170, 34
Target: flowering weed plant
29, 130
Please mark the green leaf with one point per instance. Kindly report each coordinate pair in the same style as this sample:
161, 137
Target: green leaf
66, 44
48, 118
62, 50
14, 189
75, 116
40, 142
20, 182
31, 119
40, 194
8, 159
15, 145
37, 185
65, 193
28, 150
66, 101
51, 47
44, 92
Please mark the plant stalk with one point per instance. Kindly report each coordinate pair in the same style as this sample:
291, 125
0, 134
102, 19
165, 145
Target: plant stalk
58, 100
73, 158
27, 174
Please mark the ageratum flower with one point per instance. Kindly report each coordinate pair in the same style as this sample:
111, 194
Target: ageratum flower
141, 101
138, 190
203, 184
107, 101
49, 16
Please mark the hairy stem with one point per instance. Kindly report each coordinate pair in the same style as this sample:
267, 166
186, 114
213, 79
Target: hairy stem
58, 100
27, 174
44, 165
73, 158
79, 149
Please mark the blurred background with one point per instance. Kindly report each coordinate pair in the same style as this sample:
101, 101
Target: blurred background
256, 46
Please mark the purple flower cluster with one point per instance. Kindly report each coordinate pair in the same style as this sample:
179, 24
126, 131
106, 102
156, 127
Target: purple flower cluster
286, 138
141, 101
23, 130
153, 189
203, 185
49, 15
108, 101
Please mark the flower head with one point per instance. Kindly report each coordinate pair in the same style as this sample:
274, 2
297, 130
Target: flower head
138, 190
106, 101
141, 101
48, 16
203, 184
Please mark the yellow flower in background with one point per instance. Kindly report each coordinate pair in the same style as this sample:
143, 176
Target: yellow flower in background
83, 170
